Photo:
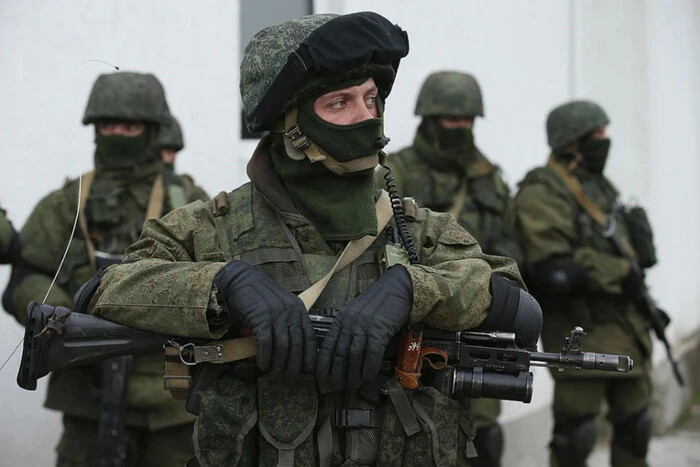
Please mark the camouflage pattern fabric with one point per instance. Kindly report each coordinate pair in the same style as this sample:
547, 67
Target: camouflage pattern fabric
7, 233
170, 135
127, 96
176, 267
45, 236
569, 122
450, 93
267, 53
488, 212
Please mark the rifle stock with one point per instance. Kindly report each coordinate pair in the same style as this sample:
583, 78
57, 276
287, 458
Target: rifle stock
57, 338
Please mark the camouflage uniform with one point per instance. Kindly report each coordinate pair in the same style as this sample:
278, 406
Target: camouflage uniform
580, 279
464, 182
114, 212
9, 240
249, 418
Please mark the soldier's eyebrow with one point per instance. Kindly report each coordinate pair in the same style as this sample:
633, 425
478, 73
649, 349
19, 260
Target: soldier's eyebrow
345, 93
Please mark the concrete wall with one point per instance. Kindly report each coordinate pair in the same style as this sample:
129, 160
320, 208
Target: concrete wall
640, 59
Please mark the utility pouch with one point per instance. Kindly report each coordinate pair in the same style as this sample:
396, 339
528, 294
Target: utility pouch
434, 442
287, 412
224, 433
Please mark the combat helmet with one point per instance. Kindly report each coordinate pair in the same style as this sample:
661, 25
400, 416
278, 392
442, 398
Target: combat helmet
450, 93
280, 62
127, 96
569, 122
170, 135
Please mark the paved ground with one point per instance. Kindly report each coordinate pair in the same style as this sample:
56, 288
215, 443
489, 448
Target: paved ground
678, 448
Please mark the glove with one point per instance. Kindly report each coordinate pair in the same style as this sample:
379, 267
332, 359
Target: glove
352, 350
283, 332
633, 283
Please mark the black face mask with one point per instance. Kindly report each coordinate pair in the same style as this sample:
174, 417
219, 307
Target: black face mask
594, 154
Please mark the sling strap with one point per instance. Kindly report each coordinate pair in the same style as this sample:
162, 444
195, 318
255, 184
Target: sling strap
587, 204
153, 211
178, 357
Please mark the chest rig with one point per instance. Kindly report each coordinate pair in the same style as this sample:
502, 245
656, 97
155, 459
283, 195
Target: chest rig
476, 199
112, 214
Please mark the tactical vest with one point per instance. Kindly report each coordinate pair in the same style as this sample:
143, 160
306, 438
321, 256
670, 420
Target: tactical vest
272, 420
607, 319
75, 391
485, 196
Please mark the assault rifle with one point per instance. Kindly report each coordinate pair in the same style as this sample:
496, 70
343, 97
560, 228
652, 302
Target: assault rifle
468, 363
646, 304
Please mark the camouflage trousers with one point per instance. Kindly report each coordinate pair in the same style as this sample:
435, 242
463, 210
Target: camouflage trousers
167, 447
577, 398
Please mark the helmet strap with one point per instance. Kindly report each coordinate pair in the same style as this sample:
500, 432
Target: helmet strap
298, 146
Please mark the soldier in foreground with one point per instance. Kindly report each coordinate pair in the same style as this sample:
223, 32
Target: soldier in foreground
234, 266
9, 241
115, 413
445, 172
585, 258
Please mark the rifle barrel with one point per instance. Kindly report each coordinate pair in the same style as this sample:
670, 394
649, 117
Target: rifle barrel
583, 360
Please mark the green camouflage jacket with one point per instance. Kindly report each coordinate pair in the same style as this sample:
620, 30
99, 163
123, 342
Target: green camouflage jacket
7, 233
177, 258
552, 224
487, 210
44, 238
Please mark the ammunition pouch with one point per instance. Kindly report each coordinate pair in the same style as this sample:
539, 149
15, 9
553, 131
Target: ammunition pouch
641, 236
275, 421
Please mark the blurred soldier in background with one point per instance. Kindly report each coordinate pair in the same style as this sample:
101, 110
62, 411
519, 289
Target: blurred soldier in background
115, 413
445, 171
181, 188
170, 142
9, 241
571, 220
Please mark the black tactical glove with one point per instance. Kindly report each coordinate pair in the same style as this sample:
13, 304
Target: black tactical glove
283, 332
633, 283
352, 351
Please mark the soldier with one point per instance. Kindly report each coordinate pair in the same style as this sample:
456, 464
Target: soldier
115, 413
578, 275
9, 241
258, 246
170, 142
445, 171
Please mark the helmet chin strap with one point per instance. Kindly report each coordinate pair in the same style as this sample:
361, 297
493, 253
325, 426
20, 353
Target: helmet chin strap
298, 146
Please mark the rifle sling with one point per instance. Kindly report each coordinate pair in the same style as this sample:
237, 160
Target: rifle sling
153, 211
176, 377
587, 204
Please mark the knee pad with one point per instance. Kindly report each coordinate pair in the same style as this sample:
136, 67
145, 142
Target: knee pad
489, 446
573, 441
634, 433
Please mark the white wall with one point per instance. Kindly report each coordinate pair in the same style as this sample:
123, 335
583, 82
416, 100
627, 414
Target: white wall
44, 87
639, 59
